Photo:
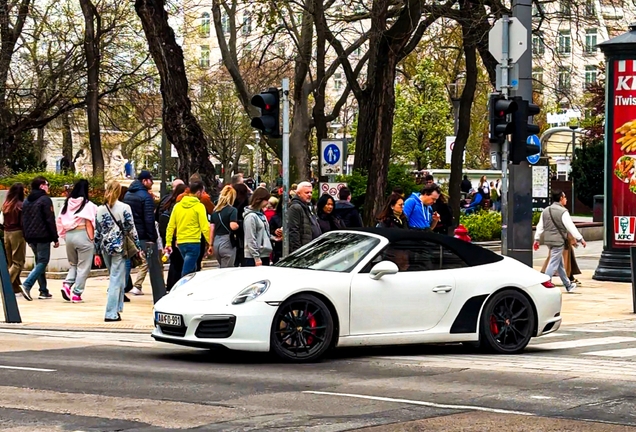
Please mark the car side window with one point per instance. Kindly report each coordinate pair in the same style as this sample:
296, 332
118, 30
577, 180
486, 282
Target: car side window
450, 260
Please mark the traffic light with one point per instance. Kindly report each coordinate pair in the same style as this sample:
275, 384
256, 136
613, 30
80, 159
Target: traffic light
269, 103
520, 149
499, 108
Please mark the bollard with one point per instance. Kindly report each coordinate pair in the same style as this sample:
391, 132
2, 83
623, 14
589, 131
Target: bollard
632, 256
9, 303
462, 233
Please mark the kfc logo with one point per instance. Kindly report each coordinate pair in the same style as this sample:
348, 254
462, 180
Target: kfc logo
624, 228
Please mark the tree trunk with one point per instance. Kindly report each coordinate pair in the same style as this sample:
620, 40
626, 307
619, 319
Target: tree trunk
67, 139
465, 107
92, 35
181, 126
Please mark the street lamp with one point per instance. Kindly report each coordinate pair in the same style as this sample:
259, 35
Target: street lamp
454, 91
574, 127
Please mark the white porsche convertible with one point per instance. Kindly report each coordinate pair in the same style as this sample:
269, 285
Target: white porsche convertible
363, 287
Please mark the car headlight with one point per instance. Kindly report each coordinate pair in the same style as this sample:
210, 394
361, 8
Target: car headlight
182, 281
251, 292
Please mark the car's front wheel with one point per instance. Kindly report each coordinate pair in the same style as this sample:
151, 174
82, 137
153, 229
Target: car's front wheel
507, 323
302, 330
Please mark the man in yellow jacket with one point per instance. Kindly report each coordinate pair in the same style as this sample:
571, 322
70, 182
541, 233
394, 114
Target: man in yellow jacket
190, 220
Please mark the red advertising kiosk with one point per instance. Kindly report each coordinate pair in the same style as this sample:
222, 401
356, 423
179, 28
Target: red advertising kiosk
620, 157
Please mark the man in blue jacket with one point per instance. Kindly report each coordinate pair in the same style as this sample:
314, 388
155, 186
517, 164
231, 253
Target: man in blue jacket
418, 208
143, 209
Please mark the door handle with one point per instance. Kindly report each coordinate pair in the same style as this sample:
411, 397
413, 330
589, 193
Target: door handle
442, 288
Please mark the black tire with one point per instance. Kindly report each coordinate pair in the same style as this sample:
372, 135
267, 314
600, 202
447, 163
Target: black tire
302, 330
507, 323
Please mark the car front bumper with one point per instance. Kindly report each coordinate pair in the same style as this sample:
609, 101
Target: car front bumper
244, 327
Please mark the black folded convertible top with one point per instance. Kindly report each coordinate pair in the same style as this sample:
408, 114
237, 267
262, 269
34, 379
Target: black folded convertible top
470, 253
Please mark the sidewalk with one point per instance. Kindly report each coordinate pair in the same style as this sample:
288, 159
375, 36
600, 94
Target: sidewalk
593, 301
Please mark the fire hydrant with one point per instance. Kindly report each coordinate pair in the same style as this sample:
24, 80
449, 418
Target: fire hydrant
462, 233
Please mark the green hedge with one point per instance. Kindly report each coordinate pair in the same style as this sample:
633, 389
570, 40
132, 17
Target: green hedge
56, 183
483, 225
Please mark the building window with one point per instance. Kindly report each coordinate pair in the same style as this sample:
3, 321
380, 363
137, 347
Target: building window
565, 6
590, 41
204, 58
565, 42
590, 8
225, 23
337, 81
591, 75
563, 84
204, 29
247, 24
537, 79
538, 46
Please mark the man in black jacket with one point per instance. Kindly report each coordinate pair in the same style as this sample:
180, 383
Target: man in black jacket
302, 225
38, 220
346, 211
143, 209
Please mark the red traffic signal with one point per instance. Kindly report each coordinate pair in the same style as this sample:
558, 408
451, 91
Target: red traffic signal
268, 122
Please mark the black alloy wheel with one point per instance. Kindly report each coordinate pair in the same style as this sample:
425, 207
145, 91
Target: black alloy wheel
507, 323
302, 330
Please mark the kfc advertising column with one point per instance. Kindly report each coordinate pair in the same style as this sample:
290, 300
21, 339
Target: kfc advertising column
620, 157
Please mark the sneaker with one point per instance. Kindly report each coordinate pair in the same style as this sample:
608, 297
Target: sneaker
45, 296
25, 293
136, 291
66, 291
571, 288
126, 299
113, 319
76, 299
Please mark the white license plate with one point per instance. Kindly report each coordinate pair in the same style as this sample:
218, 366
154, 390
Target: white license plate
169, 319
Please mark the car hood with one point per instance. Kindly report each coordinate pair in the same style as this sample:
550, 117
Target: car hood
224, 284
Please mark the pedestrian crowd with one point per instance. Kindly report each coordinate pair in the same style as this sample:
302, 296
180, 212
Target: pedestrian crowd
242, 229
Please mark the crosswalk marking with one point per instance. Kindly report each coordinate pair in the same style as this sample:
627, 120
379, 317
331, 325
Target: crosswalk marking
580, 343
625, 352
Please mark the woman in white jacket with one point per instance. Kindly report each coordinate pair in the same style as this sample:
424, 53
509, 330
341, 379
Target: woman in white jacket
258, 240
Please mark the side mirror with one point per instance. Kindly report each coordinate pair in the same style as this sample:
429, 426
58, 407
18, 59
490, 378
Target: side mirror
383, 268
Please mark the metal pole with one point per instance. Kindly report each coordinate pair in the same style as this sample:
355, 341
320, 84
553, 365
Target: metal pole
571, 163
285, 197
519, 223
9, 303
505, 64
164, 143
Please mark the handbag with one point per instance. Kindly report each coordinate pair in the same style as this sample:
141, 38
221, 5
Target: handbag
130, 247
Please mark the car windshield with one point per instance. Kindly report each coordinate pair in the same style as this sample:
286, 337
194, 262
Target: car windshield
336, 252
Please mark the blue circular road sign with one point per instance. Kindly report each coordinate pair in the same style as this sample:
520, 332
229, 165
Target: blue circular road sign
534, 140
331, 154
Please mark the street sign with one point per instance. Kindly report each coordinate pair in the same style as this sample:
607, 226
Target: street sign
518, 39
173, 151
332, 162
450, 144
332, 189
534, 140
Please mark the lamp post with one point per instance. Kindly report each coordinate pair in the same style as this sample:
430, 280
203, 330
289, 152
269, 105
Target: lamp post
574, 128
454, 91
257, 140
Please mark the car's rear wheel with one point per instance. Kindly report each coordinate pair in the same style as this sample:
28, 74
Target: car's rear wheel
507, 323
302, 330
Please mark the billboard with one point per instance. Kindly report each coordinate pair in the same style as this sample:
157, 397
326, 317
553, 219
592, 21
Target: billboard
623, 153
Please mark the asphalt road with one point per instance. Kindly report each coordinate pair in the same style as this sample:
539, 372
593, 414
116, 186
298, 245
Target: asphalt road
582, 379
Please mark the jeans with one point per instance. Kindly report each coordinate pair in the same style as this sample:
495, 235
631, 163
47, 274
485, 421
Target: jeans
190, 253
79, 250
116, 265
556, 264
42, 254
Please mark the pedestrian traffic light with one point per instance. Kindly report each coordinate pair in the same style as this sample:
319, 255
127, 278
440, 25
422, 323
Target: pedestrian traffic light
269, 103
520, 148
499, 107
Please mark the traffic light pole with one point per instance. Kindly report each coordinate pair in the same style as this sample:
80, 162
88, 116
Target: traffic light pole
518, 240
505, 65
285, 196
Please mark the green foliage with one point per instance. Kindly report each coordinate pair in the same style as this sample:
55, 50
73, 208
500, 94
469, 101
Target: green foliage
536, 215
483, 225
357, 184
56, 183
24, 157
422, 118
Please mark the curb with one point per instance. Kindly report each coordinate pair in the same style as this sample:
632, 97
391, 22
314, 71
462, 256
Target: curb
85, 329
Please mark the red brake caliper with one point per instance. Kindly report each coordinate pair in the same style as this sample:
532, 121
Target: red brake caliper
494, 328
312, 323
